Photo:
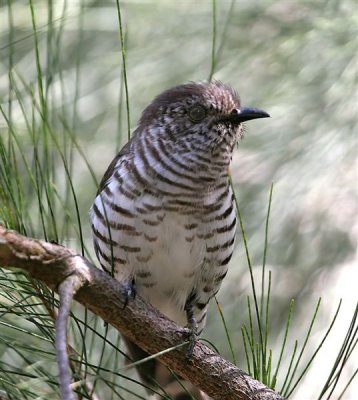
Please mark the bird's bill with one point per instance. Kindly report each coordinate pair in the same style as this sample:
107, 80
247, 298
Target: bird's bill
247, 113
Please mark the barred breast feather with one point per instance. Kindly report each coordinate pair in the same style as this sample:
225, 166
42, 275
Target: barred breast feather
170, 228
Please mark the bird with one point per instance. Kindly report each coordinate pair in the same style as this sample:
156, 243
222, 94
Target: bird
164, 219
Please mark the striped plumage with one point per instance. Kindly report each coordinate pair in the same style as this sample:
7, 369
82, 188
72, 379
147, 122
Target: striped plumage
165, 214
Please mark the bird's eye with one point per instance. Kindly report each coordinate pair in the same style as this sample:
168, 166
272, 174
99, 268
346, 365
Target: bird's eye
197, 113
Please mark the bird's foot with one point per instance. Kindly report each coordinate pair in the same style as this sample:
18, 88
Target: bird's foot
192, 335
130, 292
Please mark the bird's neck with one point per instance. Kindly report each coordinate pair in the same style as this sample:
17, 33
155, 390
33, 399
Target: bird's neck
191, 165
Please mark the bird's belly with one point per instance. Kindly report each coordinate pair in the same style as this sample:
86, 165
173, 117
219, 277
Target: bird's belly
174, 266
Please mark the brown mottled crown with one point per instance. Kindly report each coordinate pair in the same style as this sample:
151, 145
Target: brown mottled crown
215, 94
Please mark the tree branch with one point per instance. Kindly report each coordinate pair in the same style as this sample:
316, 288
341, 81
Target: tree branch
138, 321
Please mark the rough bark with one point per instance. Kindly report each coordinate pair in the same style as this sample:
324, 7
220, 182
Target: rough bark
138, 321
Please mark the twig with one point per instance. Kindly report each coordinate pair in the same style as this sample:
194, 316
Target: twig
66, 290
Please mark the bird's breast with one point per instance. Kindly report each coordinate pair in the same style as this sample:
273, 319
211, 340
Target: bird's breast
172, 244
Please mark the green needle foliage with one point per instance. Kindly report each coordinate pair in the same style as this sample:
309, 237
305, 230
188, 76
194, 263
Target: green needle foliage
73, 80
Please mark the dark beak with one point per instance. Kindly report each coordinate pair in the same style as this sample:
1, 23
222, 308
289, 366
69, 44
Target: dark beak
245, 114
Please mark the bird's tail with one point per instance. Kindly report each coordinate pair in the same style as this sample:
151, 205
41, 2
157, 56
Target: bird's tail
157, 376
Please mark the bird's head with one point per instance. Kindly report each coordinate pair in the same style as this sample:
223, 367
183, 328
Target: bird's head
202, 114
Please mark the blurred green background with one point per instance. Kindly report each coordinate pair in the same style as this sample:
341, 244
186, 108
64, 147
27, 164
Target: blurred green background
295, 59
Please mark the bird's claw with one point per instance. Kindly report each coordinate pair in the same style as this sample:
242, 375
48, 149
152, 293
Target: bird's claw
192, 335
130, 292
